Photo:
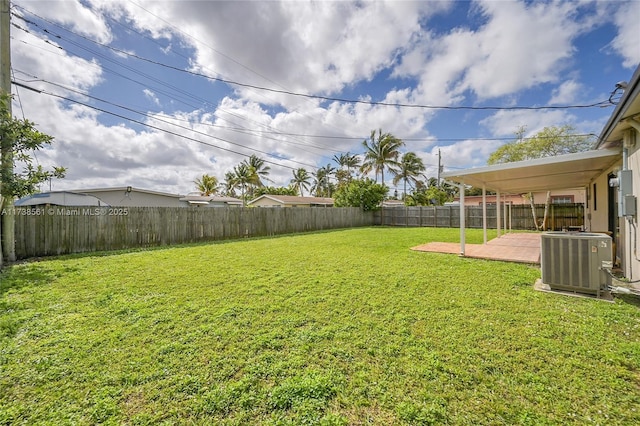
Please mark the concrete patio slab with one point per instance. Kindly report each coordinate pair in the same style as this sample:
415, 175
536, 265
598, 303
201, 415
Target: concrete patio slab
516, 247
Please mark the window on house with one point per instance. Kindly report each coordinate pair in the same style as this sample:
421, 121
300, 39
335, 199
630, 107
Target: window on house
562, 199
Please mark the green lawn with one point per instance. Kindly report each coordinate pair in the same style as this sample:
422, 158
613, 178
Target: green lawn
334, 328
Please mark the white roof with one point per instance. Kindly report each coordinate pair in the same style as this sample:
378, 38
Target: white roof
542, 174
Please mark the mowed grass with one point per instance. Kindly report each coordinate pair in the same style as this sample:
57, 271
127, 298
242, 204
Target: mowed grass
338, 328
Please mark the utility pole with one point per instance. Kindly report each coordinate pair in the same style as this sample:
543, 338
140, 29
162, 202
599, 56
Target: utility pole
439, 166
6, 146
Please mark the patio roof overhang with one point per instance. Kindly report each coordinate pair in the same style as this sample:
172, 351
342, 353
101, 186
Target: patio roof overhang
543, 174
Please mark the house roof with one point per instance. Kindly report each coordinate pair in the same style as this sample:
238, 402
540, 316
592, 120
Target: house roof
59, 198
625, 116
206, 199
542, 174
291, 199
125, 189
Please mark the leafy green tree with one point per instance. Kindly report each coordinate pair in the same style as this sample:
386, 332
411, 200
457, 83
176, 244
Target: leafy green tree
364, 193
19, 139
548, 142
275, 190
381, 152
410, 169
429, 196
207, 184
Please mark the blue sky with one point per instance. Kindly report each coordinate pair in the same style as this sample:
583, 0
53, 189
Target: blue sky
157, 124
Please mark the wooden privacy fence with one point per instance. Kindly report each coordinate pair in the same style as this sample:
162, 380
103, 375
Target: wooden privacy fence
55, 230
561, 216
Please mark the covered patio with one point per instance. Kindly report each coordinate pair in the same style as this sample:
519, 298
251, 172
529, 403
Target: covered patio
559, 172
518, 247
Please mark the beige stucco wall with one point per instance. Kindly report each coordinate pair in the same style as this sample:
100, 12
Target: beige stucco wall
135, 198
628, 249
629, 226
539, 197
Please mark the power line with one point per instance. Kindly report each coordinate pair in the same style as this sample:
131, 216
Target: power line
177, 97
164, 130
329, 98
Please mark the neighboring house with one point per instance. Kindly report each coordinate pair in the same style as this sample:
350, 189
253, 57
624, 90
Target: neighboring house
60, 198
610, 175
393, 203
211, 201
128, 196
569, 196
290, 201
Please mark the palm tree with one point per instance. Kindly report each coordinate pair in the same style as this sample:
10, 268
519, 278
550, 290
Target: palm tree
347, 161
230, 184
300, 180
244, 176
381, 152
260, 169
207, 184
410, 169
322, 185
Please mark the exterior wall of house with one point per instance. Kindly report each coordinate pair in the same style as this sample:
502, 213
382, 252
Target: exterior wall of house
629, 225
122, 198
598, 207
266, 202
576, 195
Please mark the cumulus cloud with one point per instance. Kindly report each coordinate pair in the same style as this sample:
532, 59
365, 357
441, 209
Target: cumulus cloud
393, 51
627, 42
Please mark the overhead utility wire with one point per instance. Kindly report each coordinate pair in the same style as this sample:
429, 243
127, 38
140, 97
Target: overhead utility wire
44, 92
330, 98
155, 117
133, 70
239, 129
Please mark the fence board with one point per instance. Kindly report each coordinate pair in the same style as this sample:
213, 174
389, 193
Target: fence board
53, 230
561, 216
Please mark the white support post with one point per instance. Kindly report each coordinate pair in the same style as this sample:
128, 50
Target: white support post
498, 213
462, 222
504, 219
484, 213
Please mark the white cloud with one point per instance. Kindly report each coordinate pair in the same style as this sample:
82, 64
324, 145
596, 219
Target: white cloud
71, 14
151, 96
516, 48
566, 93
627, 42
506, 123
311, 47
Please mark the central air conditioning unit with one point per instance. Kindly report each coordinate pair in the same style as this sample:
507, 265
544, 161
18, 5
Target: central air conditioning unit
576, 261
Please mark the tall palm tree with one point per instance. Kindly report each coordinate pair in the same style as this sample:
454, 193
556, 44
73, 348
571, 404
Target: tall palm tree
322, 185
230, 184
409, 170
207, 184
300, 181
381, 152
260, 169
345, 162
244, 176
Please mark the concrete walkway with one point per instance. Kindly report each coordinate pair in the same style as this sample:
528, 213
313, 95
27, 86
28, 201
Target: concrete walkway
518, 247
